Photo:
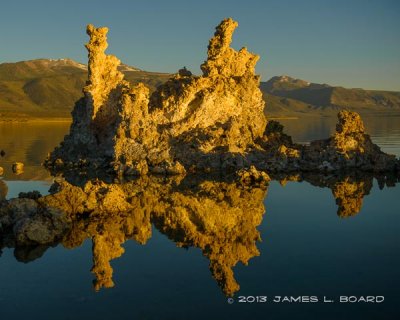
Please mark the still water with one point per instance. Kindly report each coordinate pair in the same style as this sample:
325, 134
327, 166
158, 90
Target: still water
384, 130
187, 253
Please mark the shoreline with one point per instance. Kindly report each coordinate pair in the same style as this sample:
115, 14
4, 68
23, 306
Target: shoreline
37, 120
24, 118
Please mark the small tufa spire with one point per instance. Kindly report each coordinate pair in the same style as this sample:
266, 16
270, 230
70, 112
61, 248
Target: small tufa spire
224, 60
103, 74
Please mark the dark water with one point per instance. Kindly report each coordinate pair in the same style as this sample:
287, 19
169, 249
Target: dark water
334, 237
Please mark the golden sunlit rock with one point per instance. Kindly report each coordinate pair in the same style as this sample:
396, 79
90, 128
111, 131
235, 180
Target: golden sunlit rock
18, 167
212, 123
192, 123
103, 75
349, 147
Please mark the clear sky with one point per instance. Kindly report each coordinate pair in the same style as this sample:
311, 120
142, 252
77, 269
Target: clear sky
350, 43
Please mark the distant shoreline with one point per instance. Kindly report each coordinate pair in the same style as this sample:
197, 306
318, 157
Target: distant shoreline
55, 119
23, 118
282, 118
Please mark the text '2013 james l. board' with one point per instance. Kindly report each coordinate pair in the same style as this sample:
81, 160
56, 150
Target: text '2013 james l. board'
310, 299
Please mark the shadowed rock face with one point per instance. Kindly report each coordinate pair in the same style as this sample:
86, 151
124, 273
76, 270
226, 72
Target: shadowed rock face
218, 215
3, 190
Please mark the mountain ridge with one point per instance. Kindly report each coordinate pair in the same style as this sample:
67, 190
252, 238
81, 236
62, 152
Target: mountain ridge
300, 96
46, 88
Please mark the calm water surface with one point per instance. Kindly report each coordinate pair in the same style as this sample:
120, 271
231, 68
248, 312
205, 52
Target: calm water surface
384, 130
334, 238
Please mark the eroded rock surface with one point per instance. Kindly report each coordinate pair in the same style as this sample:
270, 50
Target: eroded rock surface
350, 147
194, 123
189, 123
26, 222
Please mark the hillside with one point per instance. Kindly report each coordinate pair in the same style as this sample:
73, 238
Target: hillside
49, 88
289, 96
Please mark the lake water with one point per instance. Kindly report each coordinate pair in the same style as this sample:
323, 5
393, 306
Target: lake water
332, 238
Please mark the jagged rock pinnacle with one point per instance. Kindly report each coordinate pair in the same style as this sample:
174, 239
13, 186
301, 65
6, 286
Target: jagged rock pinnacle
224, 60
197, 123
103, 74
188, 117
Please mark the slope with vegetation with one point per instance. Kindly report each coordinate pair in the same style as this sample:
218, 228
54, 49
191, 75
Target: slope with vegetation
289, 96
46, 88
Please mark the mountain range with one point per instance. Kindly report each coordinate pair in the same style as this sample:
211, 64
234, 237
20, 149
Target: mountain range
49, 88
288, 96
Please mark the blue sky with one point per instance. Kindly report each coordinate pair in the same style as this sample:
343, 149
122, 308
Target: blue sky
349, 43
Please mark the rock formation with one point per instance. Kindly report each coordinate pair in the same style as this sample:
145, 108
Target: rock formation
25, 222
350, 147
189, 123
197, 123
209, 123
18, 167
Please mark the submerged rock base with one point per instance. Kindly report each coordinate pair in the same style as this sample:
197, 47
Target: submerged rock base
349, 148
193, 123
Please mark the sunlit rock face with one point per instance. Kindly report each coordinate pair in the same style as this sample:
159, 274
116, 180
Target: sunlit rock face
349, 148
194, 123
221, 109
189, 122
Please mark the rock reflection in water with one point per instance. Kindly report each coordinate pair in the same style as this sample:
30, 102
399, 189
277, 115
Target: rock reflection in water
348, 189
219, 216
